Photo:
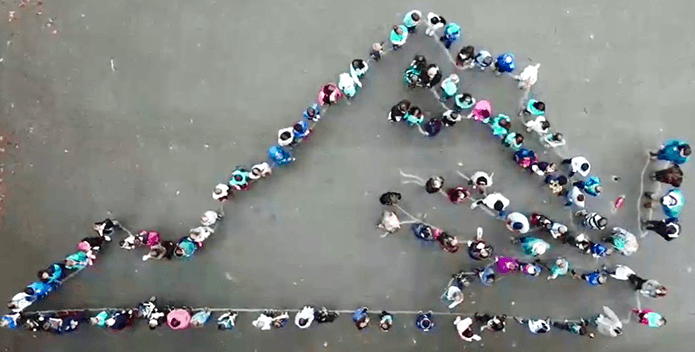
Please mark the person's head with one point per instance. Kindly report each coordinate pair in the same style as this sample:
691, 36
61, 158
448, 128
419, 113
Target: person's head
284, 136
481, 181
599, 189
43, 275
173, 322
602, 279
437, 181
539, 105
558, 137
499, 206
397, 29
419, 59
11, 305
618, 330
299, 127
582, 331
377, 46
70, 262
661, 321
415, 111
560, 262
468, 51
504, 123
485, 113
685, 150
602, 222
152, 324
562, 180
99, 226
415, 17
384, 326
551, 168
179, 252
580, 197
467, 98
487, 60
519, 138
545, 125
661, 291
517, 226
432, 70
426, 322
454, 78
670, 230
303, 321
584, 167
311, 112
404, 106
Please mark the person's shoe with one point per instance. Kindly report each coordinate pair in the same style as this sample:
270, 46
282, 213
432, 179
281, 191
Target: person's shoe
107, 238
519, 320
653, 155
649, 195
145, 257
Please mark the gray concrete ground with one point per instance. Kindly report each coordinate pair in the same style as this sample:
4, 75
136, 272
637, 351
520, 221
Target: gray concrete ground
200, 87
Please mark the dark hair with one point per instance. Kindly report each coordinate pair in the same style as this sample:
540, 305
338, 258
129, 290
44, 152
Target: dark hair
284, 135
584, 167
11, 305
562, 180
504, 123
517, 226
685, 149
299, 127
121, 243
485, 113
415, 110
395, 27
519, 138
175, 322
29, 291
415, 16
303, 321
40, 274
670, 230
580, 197
311, 112
539, 105
545, 125
468, 50
499, 205
558, 136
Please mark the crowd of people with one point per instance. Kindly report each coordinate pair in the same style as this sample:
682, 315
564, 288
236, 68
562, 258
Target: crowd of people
574, 185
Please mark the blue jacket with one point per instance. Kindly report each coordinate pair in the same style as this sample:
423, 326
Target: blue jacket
590, 186
41, 289
506, 63
670, 152
279, 155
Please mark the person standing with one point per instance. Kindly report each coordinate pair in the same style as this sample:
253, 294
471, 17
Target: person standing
423, 321
575, 327
411, 20
532, 246
536, 326
673, 150
434, 22
304, 317
449, 87
313, 112
385, 321
479, 249
361, 317
505, 63
452, 32
593, 220
560, 267
648, 288
528, 77
649, 318
578, 164
668, 228
227, 320
495, 201
672, 202
107, 228
518, 223
398, 36
465, 58
464, 327
493, 323
591, 186
483, 59
672, 175
399, 111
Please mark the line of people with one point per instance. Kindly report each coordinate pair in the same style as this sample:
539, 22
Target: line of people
50, 278
176, 317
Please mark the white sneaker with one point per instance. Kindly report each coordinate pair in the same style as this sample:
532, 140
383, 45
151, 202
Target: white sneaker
107, 238
145, 257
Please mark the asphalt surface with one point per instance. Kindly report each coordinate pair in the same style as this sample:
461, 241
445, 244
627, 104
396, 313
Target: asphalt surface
198, 88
